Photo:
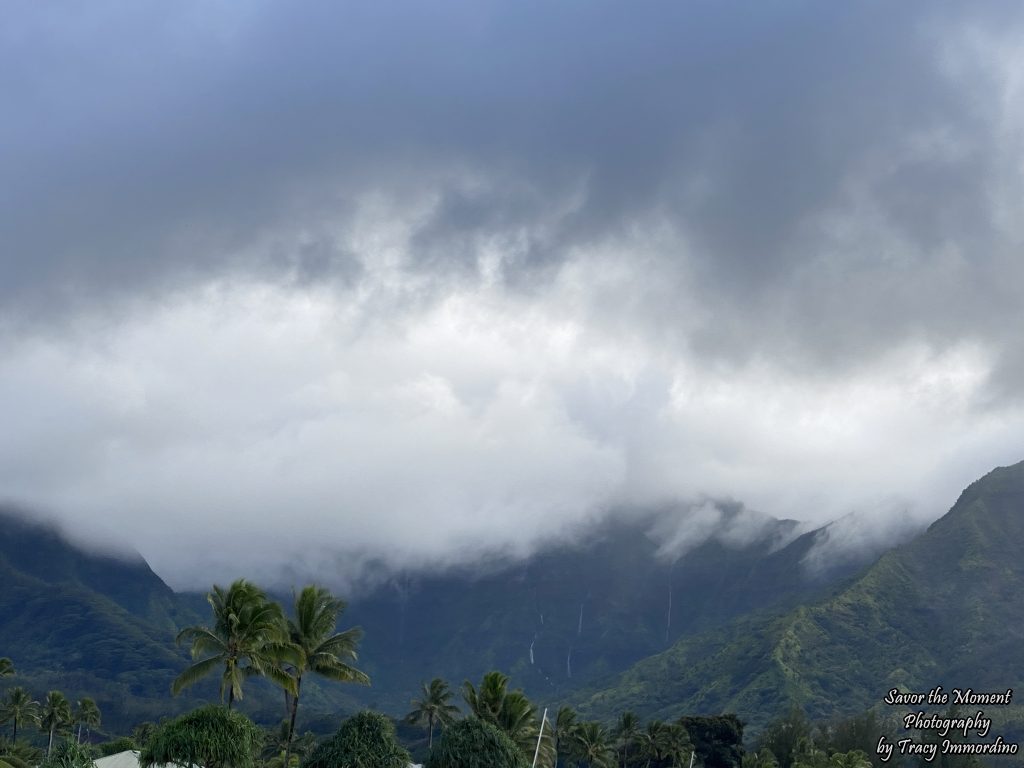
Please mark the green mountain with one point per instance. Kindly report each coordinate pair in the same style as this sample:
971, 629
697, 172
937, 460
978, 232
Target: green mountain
574, 613
85, 623
94, 624
944, 609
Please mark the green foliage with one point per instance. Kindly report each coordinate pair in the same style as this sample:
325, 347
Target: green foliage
511, 712
211, 736
86, 714
247, 630
762, 758
474, 743
314, 646
592, 746
717, 740
55, 715
365, 740
68, 754
19, 708
433, 707
784, 736
6, 667
122, 744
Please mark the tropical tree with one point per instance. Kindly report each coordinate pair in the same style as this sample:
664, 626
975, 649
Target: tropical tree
56, 714
627, 730
855, 758
475, 743
592, 746
275, 749
314, 646
20, 754
655, 742
433, 707
86, 713
248, 638
211, 736
562, 729
511, 712
19, 708
486, 702
6, 667
365, 740
143, 732
68, 754
763, 758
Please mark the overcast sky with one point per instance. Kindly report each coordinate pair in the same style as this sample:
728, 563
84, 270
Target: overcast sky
411, 281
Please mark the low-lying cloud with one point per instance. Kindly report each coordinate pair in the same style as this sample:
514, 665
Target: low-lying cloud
412, 285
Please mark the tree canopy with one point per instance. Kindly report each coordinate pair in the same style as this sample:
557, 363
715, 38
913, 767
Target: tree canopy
365, 740
211, 736
474, 743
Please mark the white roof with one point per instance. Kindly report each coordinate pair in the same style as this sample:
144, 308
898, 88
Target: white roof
127, 759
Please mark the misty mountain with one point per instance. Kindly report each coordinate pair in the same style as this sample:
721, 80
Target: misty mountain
92, 623
574, 613
943, 609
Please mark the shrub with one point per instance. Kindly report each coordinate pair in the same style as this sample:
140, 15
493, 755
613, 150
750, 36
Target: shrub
365, 740
210, 736
473, 743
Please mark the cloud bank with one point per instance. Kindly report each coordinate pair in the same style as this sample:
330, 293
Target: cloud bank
412, 284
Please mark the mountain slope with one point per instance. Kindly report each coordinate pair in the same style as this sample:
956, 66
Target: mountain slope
941, 610
575, 613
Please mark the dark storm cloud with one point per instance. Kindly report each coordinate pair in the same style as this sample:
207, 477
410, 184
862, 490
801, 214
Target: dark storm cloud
150, 144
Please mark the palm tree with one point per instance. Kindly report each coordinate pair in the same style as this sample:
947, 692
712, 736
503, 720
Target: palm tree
590, 741
6, 667
19, 708
56, 714
562, 730
314, 646
86, 713
277, 744
486, 702
247, 638
512, 712
654, 741
434, 707
676, 745
626, 732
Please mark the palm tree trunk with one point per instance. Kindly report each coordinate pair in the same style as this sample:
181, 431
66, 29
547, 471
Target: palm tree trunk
291, 725
430, 736
14, 738
231, 697
49, 744
79, 737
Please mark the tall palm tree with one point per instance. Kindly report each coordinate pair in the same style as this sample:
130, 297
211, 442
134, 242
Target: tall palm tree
562, 730
434, 707
19, 708
590, 742
56, 714
314, 646
86, 713
626, 732
246, 639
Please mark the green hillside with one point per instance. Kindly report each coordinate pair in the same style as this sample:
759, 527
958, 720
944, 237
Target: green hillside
944, 609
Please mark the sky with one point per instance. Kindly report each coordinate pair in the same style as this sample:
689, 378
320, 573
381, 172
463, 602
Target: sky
310, 288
